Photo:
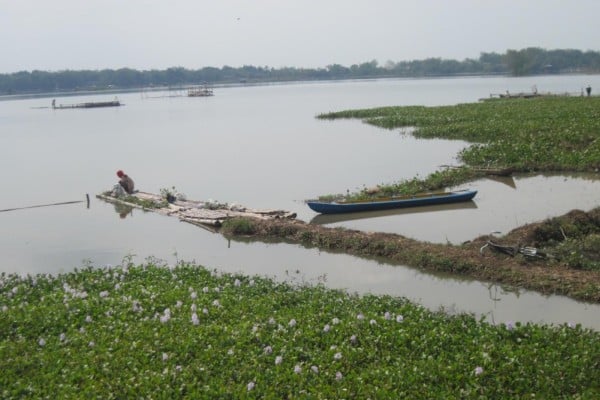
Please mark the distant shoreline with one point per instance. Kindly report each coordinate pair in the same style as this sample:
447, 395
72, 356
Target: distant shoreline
112, 91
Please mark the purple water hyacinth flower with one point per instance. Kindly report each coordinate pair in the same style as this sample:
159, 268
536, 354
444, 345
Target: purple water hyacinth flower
42, 342
104, 294
353, 339
268, 350
216, 303
314, 369
88, 319
237, 283
250, 386
194, 295
92, 344
136, 306
373, 322
62, 337
399, 318
195, 319
387, 316
297, 369
338, 376
510, 326
205, 289
326, 328
165, 356
360, 317
292, 323
478, 371
278, 360
193, 307
251, 283
178, 304
337, 356
205, 311
335, 321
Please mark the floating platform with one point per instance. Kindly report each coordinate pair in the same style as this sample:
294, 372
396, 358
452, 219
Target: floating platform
91, 104
202, 213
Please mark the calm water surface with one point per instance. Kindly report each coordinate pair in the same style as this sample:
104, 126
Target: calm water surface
262, 147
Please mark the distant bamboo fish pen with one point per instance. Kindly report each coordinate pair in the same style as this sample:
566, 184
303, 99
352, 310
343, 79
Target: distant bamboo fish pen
91, 104
535, 94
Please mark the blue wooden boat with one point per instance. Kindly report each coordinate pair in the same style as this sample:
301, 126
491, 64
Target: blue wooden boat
423, 199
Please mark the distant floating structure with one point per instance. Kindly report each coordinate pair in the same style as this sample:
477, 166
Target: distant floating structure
91, 104
533, 94
200, 91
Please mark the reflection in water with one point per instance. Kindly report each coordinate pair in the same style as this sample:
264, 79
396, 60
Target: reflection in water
507, 180
324, 219
123, 210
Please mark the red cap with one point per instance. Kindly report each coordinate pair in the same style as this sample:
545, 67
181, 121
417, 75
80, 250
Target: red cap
120, 173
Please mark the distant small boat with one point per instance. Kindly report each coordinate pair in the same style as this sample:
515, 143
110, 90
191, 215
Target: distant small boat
423, 199
200, 92
497, 171
91, 104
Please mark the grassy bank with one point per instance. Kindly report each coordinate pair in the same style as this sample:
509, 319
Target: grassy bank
159, 332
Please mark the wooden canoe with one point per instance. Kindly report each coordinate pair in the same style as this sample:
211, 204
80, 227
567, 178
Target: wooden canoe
424, 199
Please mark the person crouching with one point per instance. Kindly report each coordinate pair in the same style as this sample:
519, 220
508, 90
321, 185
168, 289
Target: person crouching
125, 185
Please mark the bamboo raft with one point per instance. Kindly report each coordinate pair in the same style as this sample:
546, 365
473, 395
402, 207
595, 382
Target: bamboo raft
91, 104
201, 213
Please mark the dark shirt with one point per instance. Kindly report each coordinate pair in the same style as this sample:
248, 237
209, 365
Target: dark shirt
127, 183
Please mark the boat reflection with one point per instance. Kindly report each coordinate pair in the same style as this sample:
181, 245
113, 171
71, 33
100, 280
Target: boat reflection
324, 219
507, 180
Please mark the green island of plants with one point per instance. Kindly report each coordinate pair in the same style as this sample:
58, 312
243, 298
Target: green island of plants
158, 331
543, 134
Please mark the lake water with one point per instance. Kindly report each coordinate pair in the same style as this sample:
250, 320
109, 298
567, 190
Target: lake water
262, 147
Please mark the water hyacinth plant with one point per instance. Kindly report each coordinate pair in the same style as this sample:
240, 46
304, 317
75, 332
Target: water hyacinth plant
555, 133
135, 332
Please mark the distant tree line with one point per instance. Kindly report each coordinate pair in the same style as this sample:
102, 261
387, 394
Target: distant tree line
529, 61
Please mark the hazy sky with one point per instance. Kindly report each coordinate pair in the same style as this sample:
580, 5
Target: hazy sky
157, 34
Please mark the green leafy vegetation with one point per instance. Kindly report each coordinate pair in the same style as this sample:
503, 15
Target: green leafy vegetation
153, 331
238, 226
540, 134
143, 203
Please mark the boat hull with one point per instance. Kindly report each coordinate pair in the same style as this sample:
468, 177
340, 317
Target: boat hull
420, 200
